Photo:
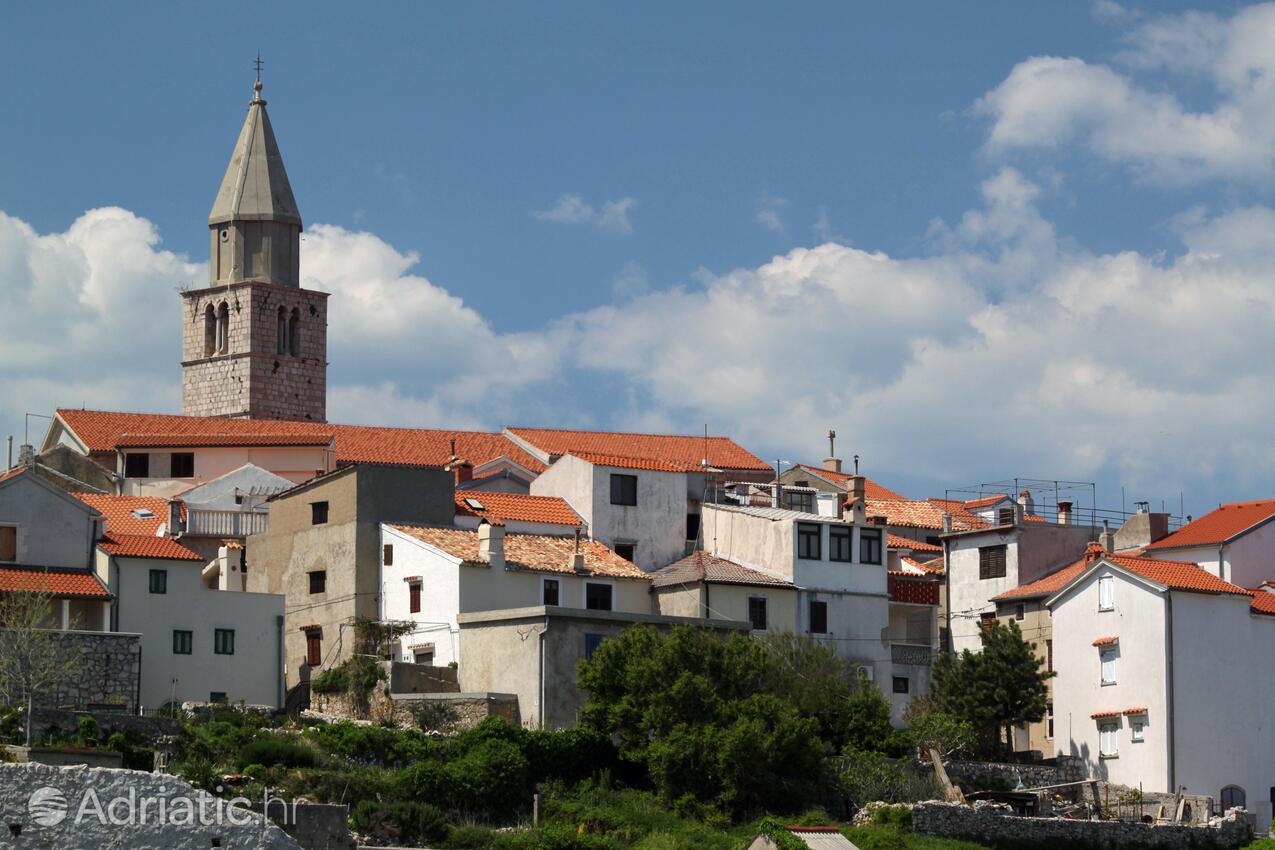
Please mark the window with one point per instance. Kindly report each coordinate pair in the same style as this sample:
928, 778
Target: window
597, 597
839, 542
1005, 516
224, 641
137, 465
623, 489
294, 333
8, 543
159, 581
591, 644
804, 502
991, 562
1136, 725
757, 612
1020, 611
319, 581
808, 534
987, 620
818, 617
414, 597
627, 551
901, 684
549, 592
210, 331
314, 647
1233, 796
182, 465
425, 657
182, 641
1108, 659
1108, 741
1106, 593
318, 513
223, 328
387, 554
692, 526
282, 347
1049, 655
1049, 720
869, 546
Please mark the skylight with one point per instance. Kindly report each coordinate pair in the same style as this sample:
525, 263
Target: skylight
475, 504
143, 513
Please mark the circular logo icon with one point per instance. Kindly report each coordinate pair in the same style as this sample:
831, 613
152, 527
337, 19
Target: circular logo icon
47, 806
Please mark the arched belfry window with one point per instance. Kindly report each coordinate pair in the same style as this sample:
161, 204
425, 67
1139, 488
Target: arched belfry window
282, 347
223, 328
294, 333
1233, 796
210, 331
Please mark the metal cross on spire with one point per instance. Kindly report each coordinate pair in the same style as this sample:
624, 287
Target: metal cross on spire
257, 64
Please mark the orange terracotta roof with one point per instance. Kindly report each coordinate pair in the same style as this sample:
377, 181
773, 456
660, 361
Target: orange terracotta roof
1108, 640
701, 566
871, 489
1098, 715
984, 501
1263, 603
894, 541
1137, 709
101, 430
13, 473
1046, 586
683, 450
120, 518
1176, 575
221, 439
527, 551
1220, 525
79, 584
619, 462
922, 513
518, 507
934, 567
143, 546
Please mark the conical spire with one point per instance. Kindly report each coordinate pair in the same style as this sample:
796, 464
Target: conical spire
256, 186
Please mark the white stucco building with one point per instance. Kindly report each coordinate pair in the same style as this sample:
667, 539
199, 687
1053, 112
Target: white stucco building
431, 575
1160, 682
1235, 542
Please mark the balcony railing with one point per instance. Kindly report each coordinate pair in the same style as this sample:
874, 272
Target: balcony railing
915, 654
203, 523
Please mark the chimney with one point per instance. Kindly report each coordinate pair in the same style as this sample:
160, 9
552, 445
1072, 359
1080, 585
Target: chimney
577, 557
491, 544
1108, 537
855, 499
174, 517
1029, 504
947, 523
1064, 513
1019, 510
832, 464
1093, 551
26, 455
463, 469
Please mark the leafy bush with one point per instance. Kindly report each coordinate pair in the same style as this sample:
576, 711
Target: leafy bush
866, 776
434, 716
400, 823
198, 772
89, 732
377, 745
334, 680
279, 751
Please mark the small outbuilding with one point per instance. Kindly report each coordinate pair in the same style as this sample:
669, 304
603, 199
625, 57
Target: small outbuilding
814, 837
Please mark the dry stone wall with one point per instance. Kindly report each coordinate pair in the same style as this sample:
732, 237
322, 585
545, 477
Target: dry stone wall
88, 808
109, 671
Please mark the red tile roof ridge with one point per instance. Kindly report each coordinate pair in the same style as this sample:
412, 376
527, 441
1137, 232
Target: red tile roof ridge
1220, 524
524, 507
54, 581
145, 546
631, 462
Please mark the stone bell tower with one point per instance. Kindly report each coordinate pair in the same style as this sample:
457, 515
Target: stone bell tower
254, 343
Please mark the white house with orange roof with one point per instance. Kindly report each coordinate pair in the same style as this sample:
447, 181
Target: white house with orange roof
1160, 684
199, 643
431, 575
1235, 542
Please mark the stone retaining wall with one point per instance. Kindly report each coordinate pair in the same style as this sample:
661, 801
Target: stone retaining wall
470, 709
109, 722
975, 775
993, 825
110, 670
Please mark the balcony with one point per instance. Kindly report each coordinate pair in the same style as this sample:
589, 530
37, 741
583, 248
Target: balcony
912, 654
204, 523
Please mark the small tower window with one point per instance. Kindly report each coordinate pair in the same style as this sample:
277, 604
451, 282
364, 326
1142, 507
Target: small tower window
282, 347
210, 331
223, 328
294, 333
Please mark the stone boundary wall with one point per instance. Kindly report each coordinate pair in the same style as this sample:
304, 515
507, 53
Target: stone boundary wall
65, 813
974, 775
110, 671
109, 722
995, 826
396, 709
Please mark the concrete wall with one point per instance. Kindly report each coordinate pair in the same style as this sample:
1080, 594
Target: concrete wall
449, 589
53, 529
534, 653
295, 463
347, 548
252, 674
67, 814
656, 524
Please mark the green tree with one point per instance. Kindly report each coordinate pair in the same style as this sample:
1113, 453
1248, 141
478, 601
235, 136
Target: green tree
35, 658
996, 689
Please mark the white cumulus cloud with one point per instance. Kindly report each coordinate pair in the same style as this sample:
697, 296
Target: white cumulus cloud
612, 216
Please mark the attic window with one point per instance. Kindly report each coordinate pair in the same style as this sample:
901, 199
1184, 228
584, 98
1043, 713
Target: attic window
475, 504
143, 513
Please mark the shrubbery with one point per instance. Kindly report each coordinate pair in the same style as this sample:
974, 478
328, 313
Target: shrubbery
277, 752
400, 823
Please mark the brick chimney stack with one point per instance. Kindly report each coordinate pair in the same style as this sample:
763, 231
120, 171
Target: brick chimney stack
1093, 551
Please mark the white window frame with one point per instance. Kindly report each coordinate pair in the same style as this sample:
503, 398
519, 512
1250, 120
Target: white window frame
584, 593
1104, 654
1106, 593
1111, 729
1137, 729
561, 589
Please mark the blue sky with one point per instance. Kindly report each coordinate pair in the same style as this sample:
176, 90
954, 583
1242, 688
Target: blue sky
899, 220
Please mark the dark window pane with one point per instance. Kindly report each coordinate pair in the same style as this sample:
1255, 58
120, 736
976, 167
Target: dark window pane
900, 684
183, 465
597, 597
414, 598
627, 551
808, 534
870, 546
318, 513
182, 641
757, 612
319, 581
224, 641
387, 554
839, 543
692, 526
591, 644
818, 617
623, 489
550, 592
314, 647
159, 581
137, 465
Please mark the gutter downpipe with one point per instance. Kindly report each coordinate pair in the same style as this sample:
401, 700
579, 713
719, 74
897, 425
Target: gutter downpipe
1168, 640
540, 684
278, 626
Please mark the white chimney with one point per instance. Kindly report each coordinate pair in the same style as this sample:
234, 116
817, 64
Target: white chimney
1025, 499
1064, 513
491, 544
